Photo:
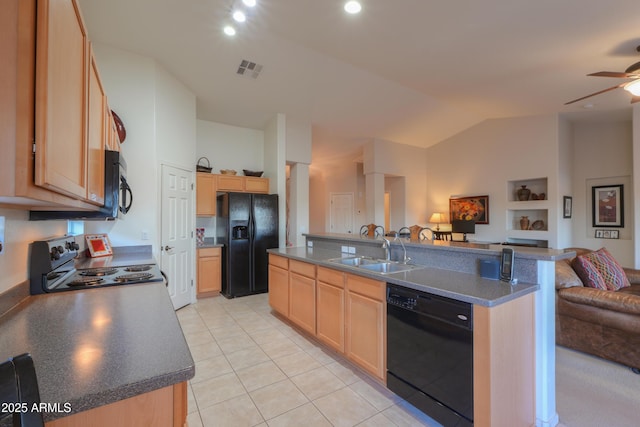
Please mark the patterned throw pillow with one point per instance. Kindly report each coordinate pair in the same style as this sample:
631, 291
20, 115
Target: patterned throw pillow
598, 268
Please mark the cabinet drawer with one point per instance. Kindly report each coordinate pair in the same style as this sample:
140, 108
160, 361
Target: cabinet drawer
254, 184
230, 183
367, 287
279, 261
204, 252
330, 276
302, 268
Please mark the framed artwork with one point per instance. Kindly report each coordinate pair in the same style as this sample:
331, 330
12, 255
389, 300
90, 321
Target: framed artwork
608, 205
567, 203
474, 208
607, 234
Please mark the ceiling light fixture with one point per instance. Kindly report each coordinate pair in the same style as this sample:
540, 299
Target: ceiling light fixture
229, 30
249, 3
352, 7
239, 16
633, 87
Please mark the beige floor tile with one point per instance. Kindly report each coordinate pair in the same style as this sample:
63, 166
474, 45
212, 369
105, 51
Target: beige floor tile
278, 398
296, 363
380, 397
302, 342
217, 389
211, 367
318, 382
199, 338
261, 375
236, 343
247, 357
204, 351
307, 415
280, 348
193, 420
191, 400
321, 355
347, 374
237, 412
378, 420
268, 335
345, 408
405, 415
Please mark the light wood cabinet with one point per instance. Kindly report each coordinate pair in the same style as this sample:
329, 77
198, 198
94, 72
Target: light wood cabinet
302, 295
242, 184
62, 55
205, 194
279, 284
98, 134
365, 321
253, 184
17, 117
165, 407
230, 183
330, 308
209, 280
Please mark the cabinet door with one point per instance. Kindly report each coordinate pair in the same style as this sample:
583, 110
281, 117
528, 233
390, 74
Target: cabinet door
230, 183
61, 98
302, 302
97, 135
209, 270
254, 184
279, 288
205, 194
365, 321
330, 305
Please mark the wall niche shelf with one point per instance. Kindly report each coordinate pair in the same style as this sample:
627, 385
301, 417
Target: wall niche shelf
534, 208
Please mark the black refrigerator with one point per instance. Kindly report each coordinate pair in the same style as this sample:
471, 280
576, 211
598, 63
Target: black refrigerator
247, 225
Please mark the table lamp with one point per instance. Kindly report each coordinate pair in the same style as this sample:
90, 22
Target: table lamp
437, 218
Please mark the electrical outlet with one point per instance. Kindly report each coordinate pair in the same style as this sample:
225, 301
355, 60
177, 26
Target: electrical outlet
345, 249
309, 244
144, 235
352, 250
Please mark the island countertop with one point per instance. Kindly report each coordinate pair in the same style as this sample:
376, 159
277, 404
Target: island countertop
97, 346
452, 284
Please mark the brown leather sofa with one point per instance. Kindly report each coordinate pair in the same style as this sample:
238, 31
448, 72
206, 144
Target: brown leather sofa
603, 323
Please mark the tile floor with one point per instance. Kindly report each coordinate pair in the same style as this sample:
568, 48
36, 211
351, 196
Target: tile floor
252, 369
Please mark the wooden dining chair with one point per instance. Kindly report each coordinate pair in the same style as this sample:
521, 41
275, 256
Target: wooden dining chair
414, 233
372, 230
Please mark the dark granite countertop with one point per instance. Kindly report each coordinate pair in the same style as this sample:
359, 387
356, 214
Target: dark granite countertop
97, 346
452, 284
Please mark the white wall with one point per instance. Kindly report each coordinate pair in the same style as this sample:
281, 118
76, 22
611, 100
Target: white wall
275, 167
19, 233
602, 155
230, 147
480, 161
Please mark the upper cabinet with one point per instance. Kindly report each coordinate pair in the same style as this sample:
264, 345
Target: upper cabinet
62, 72
53, 115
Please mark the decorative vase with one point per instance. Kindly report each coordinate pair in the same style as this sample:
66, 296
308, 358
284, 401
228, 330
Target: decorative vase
524, 223
523, 193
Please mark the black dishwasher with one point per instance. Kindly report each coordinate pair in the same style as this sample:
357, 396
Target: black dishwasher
430, 354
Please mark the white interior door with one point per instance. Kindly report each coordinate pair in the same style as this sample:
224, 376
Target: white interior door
177, 239
341, 215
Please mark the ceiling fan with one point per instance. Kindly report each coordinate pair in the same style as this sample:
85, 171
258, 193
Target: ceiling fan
633, 87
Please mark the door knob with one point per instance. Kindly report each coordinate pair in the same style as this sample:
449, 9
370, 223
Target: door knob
168, 248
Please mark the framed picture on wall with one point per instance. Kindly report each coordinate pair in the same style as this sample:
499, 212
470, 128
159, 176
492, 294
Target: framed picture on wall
474, 208
567, 203
608, 205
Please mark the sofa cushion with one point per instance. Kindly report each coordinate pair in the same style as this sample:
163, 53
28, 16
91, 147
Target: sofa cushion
600, 270
566, 276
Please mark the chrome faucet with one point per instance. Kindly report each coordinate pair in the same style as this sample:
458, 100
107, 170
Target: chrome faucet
386, 245
405, 258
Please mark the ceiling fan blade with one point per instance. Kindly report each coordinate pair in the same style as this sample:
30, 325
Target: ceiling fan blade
596, 93
617, 74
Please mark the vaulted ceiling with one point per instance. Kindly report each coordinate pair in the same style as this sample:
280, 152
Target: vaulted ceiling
409, 71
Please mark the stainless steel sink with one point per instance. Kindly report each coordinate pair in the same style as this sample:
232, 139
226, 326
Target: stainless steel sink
389, 267
376, 265
355, 261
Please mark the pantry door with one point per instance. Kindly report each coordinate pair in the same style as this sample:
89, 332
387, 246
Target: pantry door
177, 237
341, 213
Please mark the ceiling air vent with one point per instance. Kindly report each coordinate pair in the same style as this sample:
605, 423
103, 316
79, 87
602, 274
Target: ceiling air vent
249, 69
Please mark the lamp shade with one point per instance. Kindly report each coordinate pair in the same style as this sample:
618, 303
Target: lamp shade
437, 218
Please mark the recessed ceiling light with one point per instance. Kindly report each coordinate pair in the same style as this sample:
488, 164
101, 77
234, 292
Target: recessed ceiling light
229, 30
249, 3
352, 7
239, 16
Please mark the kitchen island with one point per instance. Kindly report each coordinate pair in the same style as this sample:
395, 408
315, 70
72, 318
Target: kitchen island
105, 356
452, 270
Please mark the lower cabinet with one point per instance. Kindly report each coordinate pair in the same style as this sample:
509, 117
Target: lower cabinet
330, 308
209, 272
365, 324
279, 284
302, 295
165, 407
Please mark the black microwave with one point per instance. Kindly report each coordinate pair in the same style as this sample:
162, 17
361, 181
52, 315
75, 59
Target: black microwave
118, 196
